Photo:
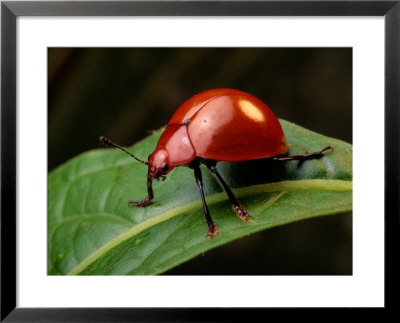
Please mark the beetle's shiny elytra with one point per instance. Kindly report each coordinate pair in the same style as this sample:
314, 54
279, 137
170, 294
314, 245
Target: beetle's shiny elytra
217, 125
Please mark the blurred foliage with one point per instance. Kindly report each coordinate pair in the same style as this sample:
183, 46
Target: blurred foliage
125, 93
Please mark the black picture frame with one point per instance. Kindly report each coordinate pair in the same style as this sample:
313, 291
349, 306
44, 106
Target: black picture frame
10, 10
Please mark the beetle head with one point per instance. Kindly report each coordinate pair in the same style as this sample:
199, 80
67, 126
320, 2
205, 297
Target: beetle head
159, 164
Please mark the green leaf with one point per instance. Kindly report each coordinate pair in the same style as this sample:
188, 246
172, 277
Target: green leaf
92, 231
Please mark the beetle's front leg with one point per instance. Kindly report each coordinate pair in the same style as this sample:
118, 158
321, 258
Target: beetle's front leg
150, 194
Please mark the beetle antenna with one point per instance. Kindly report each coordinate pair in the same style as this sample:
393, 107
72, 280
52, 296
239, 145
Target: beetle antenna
107, 141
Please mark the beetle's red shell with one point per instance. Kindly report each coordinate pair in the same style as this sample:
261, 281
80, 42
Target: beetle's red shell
224, 125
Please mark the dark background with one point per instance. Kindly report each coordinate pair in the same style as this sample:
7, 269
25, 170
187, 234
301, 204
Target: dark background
124, 93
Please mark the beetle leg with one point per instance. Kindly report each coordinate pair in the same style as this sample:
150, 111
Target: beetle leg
149, 192
237, 207
212, 228
306, 156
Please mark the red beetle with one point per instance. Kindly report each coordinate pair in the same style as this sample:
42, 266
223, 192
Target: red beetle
216, 125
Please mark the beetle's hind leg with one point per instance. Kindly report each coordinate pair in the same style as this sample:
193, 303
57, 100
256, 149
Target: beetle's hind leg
306, 156
237, 207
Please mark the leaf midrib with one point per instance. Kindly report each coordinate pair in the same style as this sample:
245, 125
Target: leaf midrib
283, 186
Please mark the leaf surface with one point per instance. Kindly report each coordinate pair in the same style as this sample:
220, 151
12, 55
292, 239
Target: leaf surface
92, 231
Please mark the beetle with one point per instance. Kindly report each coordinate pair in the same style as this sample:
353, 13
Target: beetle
216, 125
